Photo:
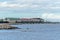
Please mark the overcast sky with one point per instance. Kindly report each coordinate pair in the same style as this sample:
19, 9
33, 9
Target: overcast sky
47, 9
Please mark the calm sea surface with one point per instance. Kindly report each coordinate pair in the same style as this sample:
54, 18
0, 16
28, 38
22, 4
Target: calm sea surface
32, 32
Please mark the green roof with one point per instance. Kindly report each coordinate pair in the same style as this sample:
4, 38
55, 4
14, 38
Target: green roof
12, 18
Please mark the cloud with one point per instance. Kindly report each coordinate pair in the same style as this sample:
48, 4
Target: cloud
30, 1
50, 16
17, 5
6, 4
38, 4
33, 4
58, 7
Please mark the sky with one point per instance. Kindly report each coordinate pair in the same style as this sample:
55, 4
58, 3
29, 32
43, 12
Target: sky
46, 9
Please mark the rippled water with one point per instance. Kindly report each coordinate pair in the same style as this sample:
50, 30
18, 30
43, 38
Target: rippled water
32, 32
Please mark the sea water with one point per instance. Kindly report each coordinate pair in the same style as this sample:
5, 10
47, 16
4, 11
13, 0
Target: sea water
32, 32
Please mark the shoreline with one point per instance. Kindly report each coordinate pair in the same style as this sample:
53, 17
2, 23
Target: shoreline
8, 25
26, 23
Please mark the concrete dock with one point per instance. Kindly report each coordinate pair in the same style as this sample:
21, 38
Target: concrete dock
6, 26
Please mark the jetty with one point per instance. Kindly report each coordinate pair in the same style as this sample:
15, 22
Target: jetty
7, 26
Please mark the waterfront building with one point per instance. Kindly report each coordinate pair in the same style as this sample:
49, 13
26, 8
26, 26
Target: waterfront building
24, 20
